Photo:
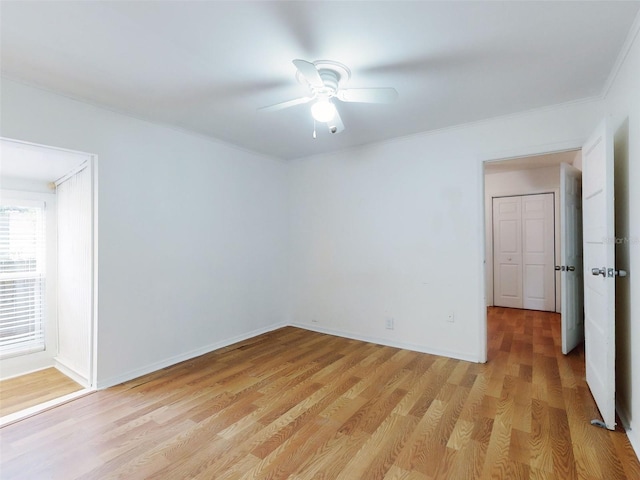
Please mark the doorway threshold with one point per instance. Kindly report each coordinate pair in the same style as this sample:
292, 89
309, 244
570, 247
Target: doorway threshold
42, 407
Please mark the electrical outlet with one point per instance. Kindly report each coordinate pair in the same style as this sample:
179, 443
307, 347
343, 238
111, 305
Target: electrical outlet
389, 323
450, 317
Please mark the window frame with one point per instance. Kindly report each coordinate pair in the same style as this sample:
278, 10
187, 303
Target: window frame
33, 358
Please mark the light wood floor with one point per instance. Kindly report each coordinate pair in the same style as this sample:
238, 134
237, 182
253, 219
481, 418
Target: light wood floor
300, 405
33, 389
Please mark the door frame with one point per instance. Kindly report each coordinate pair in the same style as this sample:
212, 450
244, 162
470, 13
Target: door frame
572, 318
521, 153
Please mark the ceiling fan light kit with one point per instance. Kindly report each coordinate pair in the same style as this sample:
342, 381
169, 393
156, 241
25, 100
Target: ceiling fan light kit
326, 80
323, 110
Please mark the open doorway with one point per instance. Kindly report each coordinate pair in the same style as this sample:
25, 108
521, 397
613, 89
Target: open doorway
509, 182
47, 265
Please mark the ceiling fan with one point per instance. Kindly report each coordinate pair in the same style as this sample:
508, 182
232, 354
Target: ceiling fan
326, 80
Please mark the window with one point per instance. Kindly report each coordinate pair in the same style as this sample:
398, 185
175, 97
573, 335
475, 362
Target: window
22, 277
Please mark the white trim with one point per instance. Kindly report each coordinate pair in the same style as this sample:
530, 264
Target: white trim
624, 418
622, 56
72, 172
388, 343
533, 151
482, 334
71, 373
31, 411
93, 368
634, 440
167, 362
632, 434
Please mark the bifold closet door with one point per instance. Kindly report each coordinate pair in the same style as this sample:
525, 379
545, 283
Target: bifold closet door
523, 236
507, 253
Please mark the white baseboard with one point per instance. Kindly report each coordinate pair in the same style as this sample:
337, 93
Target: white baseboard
138, 372
387, 342
624, 417
632, 434
61, 365
634, 440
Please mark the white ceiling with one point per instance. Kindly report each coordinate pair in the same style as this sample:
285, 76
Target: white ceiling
207, 66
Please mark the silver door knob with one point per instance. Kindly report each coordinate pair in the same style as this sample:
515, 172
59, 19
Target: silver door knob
571, 268
599, 271
557, 267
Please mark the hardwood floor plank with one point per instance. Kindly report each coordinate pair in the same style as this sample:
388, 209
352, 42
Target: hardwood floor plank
310, 410
461, 434
497, 457
295, 404
396, 473
625, 453
32, 389
541, 447
520, 447
417, 453
333, 455
387, 441
446, 464
564, 464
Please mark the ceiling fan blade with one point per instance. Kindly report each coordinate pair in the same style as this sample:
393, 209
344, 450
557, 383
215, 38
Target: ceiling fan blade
287, 104
310, 73
336, 123
368, 95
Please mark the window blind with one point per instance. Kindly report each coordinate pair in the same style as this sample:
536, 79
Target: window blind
22, 278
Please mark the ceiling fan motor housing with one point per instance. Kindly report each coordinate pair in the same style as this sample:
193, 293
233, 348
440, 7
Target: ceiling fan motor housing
330, 79
334, 75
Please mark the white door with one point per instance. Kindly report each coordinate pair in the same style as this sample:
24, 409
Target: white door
538, 277
570, 267
507, 255
523, 237
599, 273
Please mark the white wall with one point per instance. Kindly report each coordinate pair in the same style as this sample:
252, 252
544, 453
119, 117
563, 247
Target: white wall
520, 182
192, 233
623, 105
397, 230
